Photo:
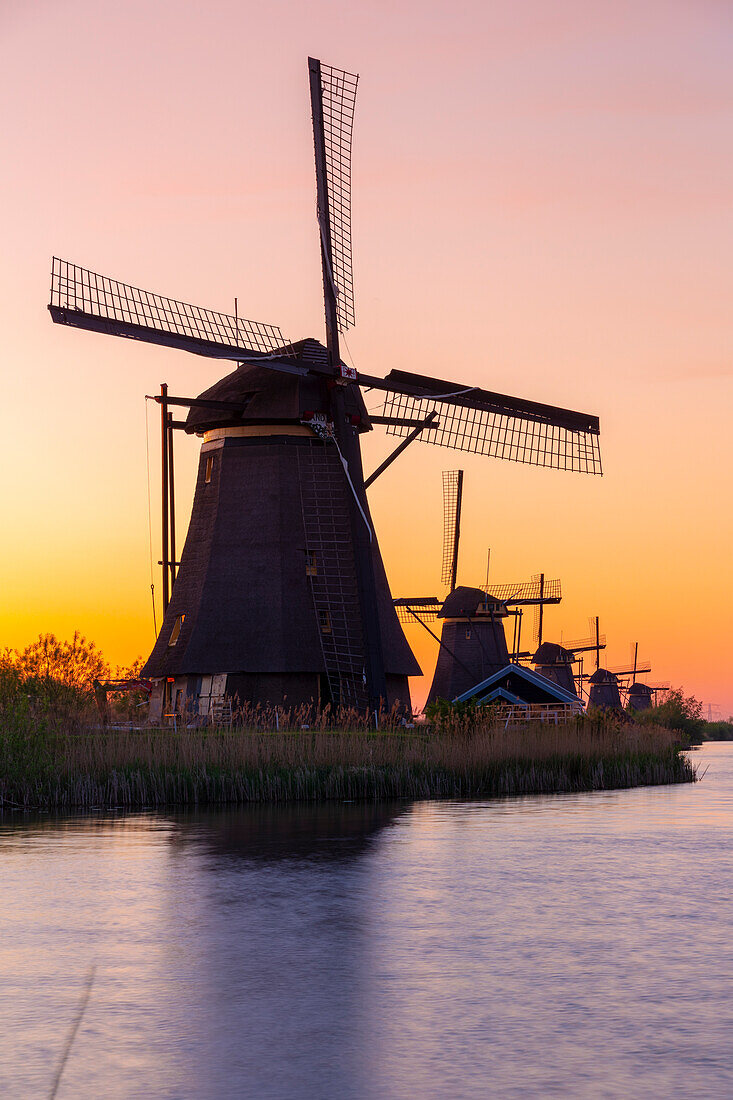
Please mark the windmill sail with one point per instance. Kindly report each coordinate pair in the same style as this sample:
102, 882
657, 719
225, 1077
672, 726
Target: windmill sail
452, 500
425, 608
493, 424
526, 592
84, 299
338, 99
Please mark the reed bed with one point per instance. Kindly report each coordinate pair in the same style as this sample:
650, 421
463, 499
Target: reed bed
64, 768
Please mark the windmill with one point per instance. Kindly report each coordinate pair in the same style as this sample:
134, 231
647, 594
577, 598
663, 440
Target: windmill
472, 642
555, 663
280, 595
604, 690
639, 696
551, 662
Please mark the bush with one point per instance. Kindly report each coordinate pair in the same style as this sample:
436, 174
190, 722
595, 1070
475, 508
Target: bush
718, 731
679, 712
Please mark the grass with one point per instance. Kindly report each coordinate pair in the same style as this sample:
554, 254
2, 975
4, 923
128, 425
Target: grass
47, 765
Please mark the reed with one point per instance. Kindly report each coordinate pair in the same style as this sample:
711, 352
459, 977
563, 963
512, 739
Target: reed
68, 766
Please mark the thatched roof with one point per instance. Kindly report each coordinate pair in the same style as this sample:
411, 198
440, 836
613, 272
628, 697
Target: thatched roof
550, 653
603, 676
465, 601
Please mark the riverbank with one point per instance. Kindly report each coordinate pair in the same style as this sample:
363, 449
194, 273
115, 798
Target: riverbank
47, 769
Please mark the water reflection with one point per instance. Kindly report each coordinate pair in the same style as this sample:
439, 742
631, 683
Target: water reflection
330, 831
571, 946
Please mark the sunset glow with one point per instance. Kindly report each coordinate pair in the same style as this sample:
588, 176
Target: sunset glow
542, 207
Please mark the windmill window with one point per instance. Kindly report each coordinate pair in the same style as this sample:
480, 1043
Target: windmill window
311, 564
209, 468
468, 631
325, 621
176, 630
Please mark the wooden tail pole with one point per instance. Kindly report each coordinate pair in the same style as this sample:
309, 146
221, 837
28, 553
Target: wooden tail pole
164, 429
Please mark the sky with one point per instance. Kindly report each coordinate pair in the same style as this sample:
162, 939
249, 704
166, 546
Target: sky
542, 205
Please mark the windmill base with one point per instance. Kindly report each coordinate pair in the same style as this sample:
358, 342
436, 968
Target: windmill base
193, 700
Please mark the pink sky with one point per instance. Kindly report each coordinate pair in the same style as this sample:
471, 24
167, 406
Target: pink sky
542, 205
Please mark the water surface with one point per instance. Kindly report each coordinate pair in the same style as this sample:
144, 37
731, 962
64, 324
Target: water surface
576, 945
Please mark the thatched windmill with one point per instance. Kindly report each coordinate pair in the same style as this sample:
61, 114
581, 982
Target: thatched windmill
281, 594
640, 697
472, 642
604, 690
555, 663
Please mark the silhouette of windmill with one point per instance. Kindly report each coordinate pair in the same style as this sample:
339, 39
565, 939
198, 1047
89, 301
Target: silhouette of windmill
571, 652
472, 642
280, 595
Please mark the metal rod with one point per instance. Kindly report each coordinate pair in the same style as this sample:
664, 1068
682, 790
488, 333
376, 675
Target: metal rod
429, 419
396, 421
440, 642
457, 533
204, 403
164, 487
172, 502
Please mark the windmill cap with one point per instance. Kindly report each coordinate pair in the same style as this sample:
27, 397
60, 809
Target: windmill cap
464, 601
602, 676
550, 653
272, 396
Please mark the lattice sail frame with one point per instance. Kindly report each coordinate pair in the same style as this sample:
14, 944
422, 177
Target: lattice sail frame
424, 608
339, 100
80, 297
513, 595
516, 437
451, 484
526, 591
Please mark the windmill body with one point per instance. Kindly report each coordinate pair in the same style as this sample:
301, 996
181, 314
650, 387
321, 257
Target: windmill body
265, 604
555, 663
472, 642
640, 697
604, 692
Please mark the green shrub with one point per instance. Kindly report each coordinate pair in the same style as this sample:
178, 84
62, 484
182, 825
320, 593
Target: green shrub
679, 712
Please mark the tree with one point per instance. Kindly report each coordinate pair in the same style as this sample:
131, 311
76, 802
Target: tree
53, 667
678, 712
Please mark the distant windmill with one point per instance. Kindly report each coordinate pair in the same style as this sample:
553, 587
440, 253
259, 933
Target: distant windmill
640, 696
472, 641
603, 685
604, 690
281, 594
594, 643
555, 663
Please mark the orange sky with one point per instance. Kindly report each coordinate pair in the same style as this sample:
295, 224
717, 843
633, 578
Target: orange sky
542, 206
